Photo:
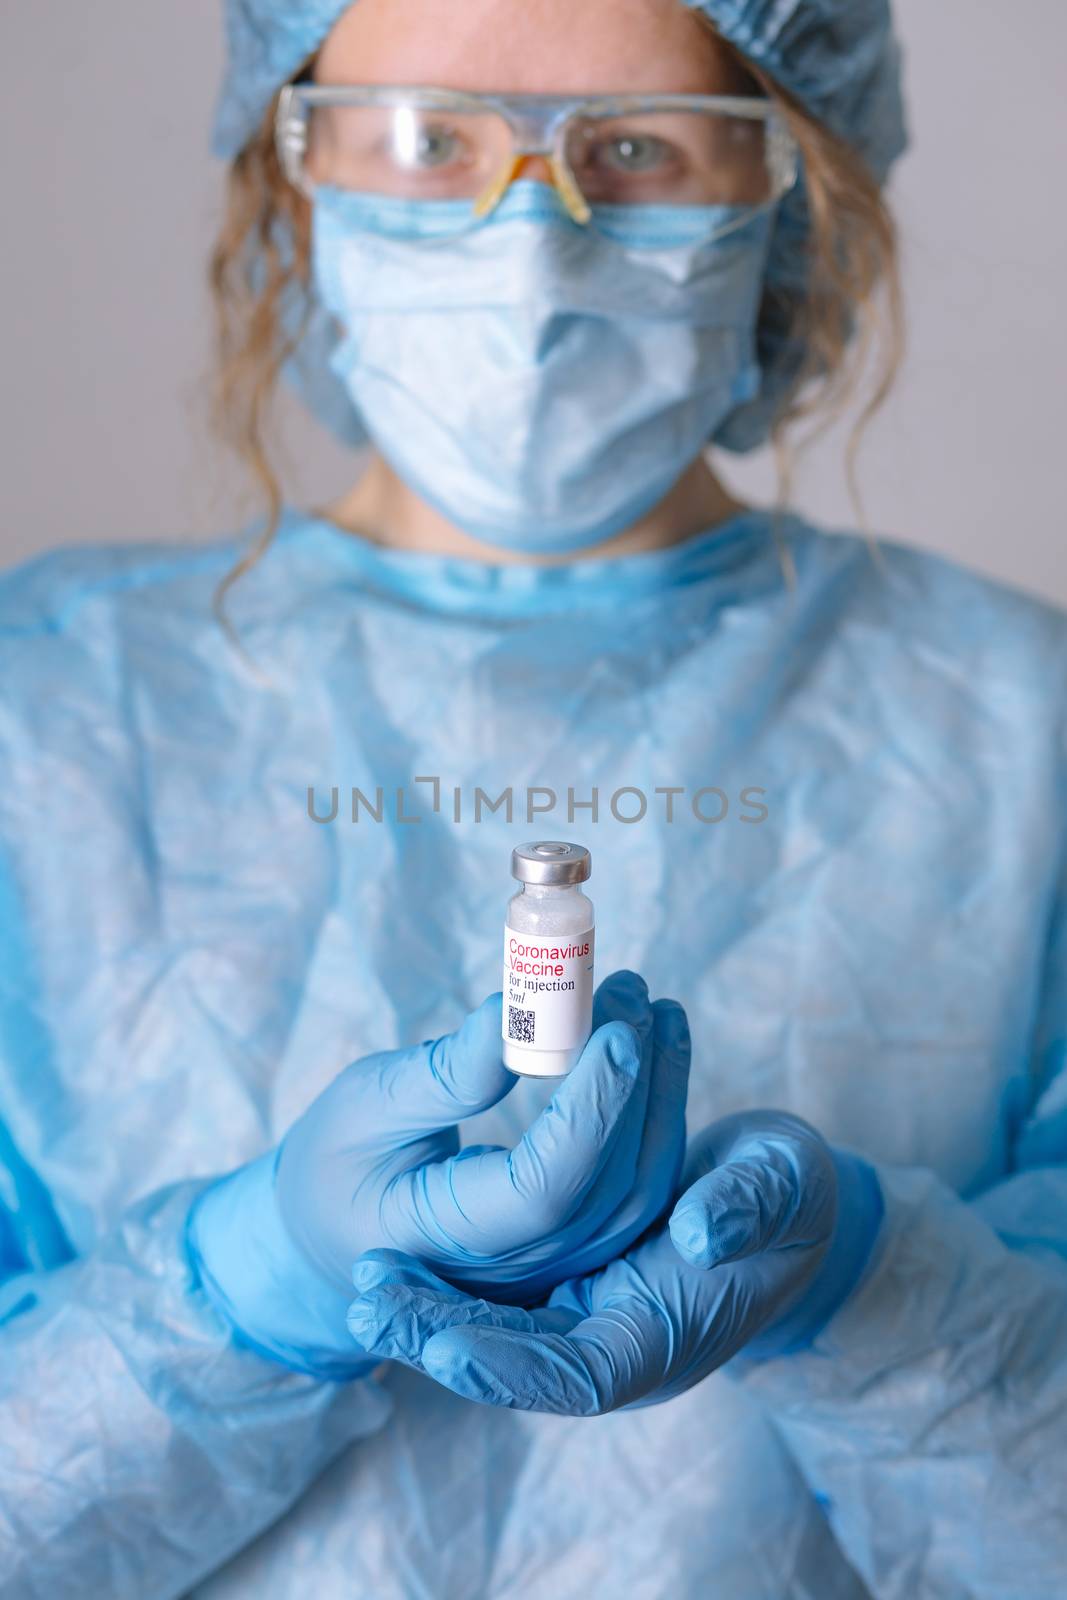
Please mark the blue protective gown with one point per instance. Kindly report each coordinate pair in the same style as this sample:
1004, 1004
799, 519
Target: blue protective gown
188, 958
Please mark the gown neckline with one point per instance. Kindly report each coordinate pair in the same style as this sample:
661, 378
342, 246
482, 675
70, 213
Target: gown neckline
459, 583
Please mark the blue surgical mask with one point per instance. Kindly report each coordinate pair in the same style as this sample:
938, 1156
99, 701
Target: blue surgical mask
540, 383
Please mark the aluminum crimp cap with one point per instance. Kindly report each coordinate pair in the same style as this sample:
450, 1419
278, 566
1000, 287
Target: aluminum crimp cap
551, 861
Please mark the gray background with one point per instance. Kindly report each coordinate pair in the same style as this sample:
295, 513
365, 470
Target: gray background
111, 199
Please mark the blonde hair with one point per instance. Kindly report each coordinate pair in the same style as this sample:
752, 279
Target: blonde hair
837, 320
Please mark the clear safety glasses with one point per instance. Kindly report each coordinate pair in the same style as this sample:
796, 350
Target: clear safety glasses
465, 149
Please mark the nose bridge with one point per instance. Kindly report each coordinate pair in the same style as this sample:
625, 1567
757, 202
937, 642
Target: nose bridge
534, 131
533, 166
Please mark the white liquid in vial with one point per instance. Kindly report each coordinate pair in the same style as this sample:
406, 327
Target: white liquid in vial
548, 979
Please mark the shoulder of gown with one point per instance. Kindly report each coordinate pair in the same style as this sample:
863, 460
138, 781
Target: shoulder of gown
902, 598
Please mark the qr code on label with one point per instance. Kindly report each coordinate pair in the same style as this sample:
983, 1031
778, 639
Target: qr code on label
521, 1024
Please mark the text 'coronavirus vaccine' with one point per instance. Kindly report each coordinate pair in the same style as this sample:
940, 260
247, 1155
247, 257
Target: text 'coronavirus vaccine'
548, 960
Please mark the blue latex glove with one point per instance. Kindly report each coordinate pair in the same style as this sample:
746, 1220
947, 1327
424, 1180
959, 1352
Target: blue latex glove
768, 1239
375, 1161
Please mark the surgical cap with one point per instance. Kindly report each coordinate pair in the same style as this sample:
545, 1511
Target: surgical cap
839, 58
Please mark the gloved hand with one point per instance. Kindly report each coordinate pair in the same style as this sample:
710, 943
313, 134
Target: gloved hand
768, 1239
374, 1162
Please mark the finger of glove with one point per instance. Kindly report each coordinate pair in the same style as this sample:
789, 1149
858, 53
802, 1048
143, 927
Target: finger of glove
604, 1362
581, 1153
752, 1133
762, 1201
662, 1148
401, 1304
483, 1206
501, 1355
432, 1085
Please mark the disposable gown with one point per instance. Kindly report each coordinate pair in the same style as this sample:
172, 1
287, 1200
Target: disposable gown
188, 957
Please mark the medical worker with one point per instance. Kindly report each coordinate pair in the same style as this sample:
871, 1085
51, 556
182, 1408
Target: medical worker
307, 1296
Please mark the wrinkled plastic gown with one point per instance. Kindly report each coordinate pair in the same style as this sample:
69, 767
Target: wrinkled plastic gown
188, 958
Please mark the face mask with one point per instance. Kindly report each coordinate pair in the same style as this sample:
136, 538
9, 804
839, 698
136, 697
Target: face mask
541, 385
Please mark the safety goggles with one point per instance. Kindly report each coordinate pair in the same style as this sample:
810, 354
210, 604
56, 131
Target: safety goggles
730, 154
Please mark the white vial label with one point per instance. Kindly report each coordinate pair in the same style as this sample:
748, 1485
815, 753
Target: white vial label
548, 989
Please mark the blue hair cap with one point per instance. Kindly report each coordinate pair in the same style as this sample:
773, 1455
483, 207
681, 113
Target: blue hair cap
839, 57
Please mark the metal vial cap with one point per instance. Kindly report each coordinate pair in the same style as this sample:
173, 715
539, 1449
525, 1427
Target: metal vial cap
551, 861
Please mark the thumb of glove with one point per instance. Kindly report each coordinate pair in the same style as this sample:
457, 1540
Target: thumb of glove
772, 1185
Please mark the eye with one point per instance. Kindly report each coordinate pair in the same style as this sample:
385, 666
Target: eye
425, 145
633, 153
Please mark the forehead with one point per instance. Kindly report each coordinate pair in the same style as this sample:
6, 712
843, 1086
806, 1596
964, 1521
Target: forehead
528, 46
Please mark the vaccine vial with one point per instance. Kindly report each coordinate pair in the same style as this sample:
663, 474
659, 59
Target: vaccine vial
548, 960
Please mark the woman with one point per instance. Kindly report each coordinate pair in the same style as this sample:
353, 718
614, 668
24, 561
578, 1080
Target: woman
264, 1331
